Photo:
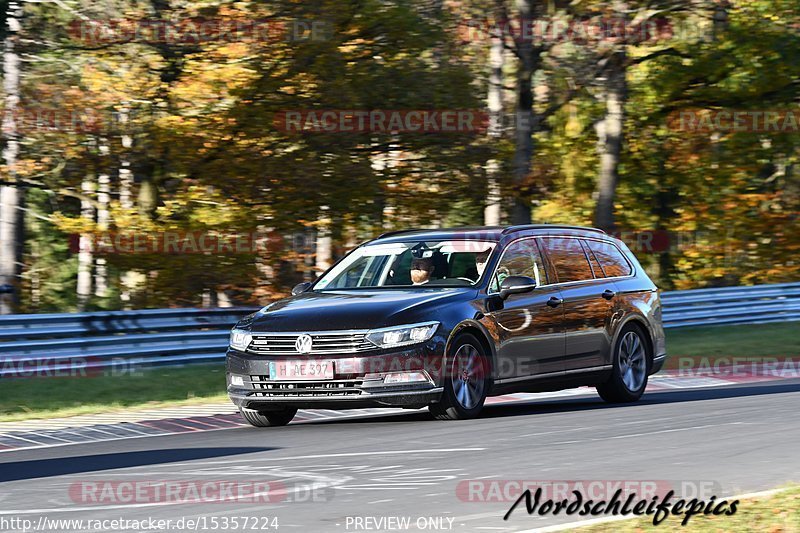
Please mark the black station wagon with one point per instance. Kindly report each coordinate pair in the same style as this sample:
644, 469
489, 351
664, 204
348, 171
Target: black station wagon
444, 318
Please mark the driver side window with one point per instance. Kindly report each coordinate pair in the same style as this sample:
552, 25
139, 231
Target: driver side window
521, 258
362, 273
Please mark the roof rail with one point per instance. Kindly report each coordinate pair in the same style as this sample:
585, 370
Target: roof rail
397, 232
443, 230
512, 229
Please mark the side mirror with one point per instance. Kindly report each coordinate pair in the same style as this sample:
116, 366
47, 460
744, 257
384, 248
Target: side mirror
301, 287
516, 285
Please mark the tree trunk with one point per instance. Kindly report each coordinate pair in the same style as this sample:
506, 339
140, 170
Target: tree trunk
11, 236
85, 251
148, 197
125, 197
529, 58
125, 174
609, 139
11, 198
324, 250
103, 200
492, 213
667, 196
309, 247
384, 208
720, 18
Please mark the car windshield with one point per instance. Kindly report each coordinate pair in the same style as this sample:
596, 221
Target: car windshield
455, 263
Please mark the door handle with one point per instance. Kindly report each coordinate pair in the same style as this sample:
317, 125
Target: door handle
609, 294
554, 301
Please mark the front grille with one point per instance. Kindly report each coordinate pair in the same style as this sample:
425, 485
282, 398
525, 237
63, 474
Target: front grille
332, 342
340, 387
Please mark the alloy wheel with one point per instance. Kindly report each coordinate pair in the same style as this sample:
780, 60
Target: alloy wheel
632, 361
468, 375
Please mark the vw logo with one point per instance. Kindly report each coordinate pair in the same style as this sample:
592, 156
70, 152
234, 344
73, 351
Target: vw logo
303, 343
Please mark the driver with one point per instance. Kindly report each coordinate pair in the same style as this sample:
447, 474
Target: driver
421, 270
481, 259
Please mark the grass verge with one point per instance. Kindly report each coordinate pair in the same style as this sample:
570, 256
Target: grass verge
50, 397
777, 513
748, 340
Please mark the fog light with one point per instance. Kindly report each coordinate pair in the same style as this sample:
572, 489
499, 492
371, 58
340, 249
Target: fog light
405, 377
237, 381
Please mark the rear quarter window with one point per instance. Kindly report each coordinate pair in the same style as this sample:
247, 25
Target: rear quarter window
611, 259
596, 268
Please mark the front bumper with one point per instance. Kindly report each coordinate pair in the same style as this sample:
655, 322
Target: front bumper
348, 389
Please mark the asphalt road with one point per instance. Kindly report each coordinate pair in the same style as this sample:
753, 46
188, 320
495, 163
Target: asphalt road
351, 475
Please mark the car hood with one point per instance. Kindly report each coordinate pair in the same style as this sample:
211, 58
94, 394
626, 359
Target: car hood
355, 309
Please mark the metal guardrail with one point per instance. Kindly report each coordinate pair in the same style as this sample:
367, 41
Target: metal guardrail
38, 344
758, 304
100, 340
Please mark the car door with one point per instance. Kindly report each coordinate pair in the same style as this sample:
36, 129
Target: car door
529, 326
610, 263
587, 308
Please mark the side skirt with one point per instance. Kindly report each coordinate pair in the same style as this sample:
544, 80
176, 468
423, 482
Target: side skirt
553, 381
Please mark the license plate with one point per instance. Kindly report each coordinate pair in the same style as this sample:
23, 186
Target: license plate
300, 370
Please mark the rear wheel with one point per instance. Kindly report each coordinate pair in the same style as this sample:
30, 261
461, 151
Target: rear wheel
466, 381
630, 366
262, 419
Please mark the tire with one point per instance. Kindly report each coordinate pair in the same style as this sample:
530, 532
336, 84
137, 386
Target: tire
631, 366
466, 380
262, 419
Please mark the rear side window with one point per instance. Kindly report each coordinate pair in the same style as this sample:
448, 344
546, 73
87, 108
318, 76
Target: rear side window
566, 255
611, 259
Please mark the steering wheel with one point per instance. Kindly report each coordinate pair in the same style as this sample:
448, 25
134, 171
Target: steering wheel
466, 279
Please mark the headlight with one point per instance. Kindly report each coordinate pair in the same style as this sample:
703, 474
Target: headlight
402, 335
240, 339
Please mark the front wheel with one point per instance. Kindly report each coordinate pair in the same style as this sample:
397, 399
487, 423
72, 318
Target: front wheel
466, 381
262, 419
630, 366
